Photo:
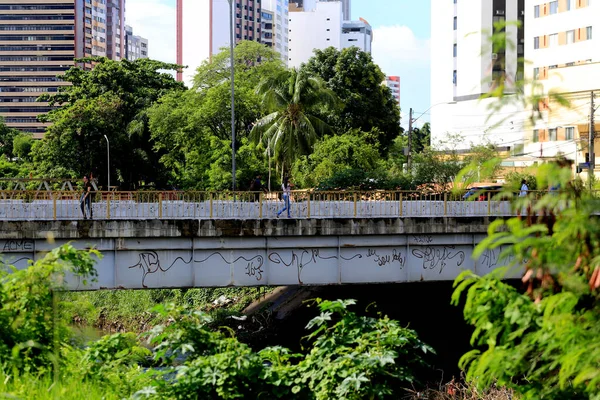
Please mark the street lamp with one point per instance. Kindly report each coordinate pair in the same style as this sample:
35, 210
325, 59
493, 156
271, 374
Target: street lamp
410, 122
232, 95
108, 161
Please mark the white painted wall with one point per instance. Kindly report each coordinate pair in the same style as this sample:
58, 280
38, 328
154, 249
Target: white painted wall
280, 25
195, 34
309, 30
561, 22
362, 40
469, 116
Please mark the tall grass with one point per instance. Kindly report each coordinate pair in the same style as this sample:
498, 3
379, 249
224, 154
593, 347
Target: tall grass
128, 310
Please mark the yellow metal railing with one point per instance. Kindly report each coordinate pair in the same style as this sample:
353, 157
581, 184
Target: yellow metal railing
65, 205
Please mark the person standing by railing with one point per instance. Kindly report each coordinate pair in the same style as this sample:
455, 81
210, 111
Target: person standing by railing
86, 198
286, 188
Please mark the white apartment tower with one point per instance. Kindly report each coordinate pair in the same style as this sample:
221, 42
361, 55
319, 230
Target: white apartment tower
277, 10
464, 66
563, 48
311, 29
357, 34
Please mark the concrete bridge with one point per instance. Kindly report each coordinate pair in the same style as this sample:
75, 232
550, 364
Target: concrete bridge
234, 252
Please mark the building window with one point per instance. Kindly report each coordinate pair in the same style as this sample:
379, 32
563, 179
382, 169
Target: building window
455, 23
536, 11
454, 50
536, 73
569, 133
454, 77
553, 40
536, 42
553, 7
571, 36
536, 135
588, 30
552, 135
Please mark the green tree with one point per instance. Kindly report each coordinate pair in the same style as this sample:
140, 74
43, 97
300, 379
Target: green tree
31, 335
7, 136
367, 104
333, 154
192, 129
544, 343
22, 145
292, 98
113, 100
421, 138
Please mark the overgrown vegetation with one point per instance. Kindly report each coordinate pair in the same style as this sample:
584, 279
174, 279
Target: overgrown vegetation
346, 356
544, 343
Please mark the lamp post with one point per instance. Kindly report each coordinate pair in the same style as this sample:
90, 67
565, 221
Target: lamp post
410, 122
232, 95
107, 161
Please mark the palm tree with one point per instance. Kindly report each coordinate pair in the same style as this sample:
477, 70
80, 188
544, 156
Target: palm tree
292, 98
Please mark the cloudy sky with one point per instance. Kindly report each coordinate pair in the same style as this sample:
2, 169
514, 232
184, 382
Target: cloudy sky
401, 32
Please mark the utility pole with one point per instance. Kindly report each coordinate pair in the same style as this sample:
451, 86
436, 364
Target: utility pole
592, 135
231, 44
409, 152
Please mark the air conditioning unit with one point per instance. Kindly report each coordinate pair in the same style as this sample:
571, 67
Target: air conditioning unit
499, 12
494, 56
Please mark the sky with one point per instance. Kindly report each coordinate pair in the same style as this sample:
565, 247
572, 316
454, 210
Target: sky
401, 33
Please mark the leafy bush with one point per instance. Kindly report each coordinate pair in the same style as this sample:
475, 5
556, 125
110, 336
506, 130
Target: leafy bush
350, 357
545, 343
31, 334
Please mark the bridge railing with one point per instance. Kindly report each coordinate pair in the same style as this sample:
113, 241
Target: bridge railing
66, 205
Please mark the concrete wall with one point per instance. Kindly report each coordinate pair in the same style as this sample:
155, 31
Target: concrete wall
155, 254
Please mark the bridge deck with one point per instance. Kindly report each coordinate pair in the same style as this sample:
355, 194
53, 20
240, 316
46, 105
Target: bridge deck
66, 205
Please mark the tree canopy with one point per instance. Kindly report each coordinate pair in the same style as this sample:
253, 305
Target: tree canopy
110, 100
358, 82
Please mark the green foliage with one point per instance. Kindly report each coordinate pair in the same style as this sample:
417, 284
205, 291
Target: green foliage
292, 99
513, 180
31, 334
350, 357
128, 310
367, 104
432, 167
7, 135
334, 154
112, 99
22, 144
118, 351
544, 343
192, 129
356, 357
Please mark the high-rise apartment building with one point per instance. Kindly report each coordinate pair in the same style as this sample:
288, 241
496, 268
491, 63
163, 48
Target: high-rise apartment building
357, 34
393, 82
115, 22
135, 46
557, 40
465, 65
38, 41
319, 24
312, 29
278, 10
203, 29
563, 51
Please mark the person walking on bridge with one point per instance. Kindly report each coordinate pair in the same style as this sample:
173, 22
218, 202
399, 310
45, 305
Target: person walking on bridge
285, 187
86, 198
